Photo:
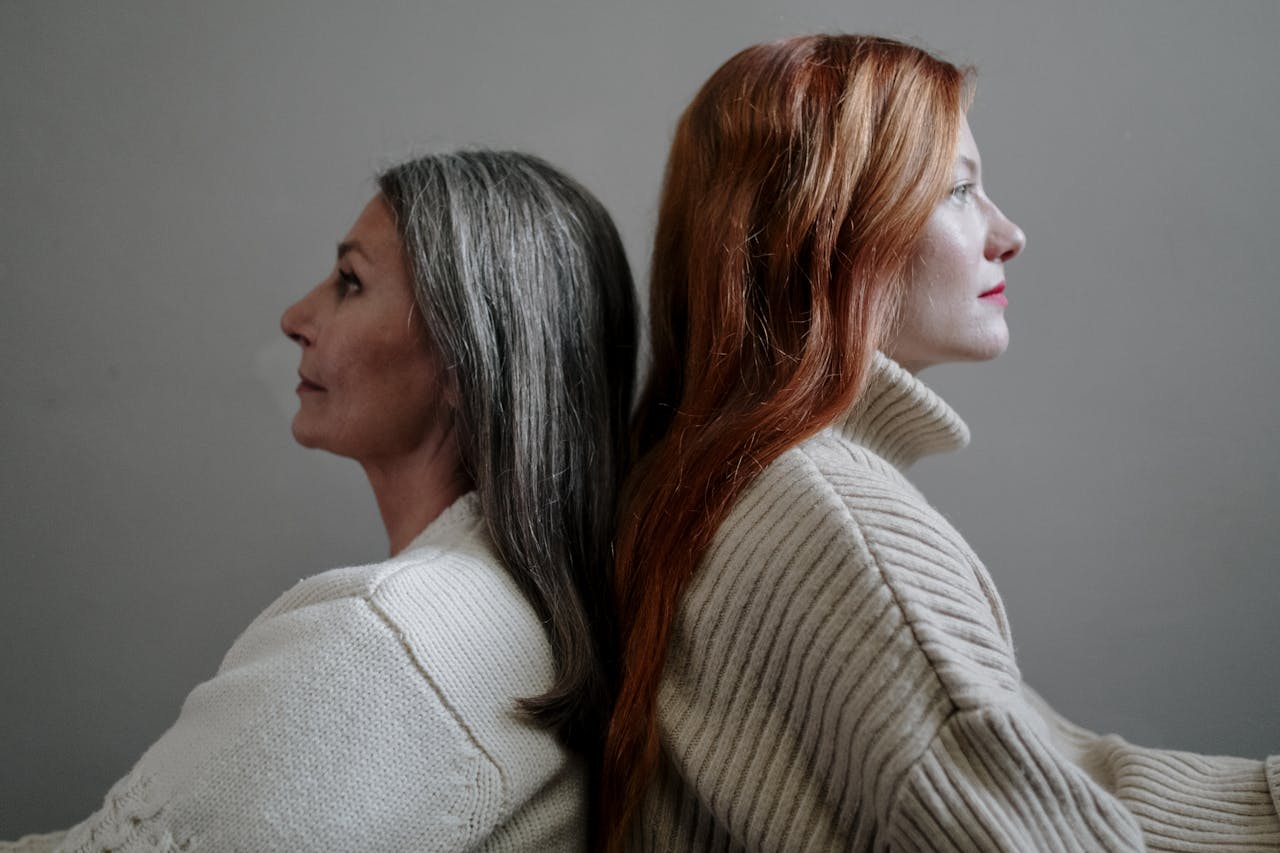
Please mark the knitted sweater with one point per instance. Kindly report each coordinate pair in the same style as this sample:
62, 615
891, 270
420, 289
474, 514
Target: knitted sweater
841, 677
368, 708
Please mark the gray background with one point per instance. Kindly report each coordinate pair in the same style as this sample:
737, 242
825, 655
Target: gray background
171, 178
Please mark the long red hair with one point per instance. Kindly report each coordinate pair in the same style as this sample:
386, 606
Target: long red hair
799, 179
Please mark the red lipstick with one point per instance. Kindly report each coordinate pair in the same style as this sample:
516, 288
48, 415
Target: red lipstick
995, 294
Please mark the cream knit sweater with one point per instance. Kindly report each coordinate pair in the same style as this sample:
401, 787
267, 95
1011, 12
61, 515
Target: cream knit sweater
368, 708
841, 677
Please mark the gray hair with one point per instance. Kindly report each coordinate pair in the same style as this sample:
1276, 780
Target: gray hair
525, 290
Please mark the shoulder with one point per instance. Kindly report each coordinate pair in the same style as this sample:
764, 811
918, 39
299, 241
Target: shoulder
838, 616
830, 527
474, 636
448, 610
455, 545
448, 601
369, 706
318, 731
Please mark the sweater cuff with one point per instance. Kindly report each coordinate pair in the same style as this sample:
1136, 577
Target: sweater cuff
1210, 801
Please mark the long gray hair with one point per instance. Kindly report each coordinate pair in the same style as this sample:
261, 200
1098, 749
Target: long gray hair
525, 290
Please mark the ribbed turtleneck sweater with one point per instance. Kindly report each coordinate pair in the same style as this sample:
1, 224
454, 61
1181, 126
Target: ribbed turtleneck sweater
842, 677
368, 708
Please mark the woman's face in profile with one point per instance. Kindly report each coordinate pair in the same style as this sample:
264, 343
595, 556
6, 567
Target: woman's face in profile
371, 386
955, 299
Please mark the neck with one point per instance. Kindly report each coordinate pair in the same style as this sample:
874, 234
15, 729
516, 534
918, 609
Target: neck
413, 489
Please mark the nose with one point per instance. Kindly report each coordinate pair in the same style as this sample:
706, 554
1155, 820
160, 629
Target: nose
1005, 240
298, 321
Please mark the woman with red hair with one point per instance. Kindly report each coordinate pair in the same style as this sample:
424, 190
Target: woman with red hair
813, 658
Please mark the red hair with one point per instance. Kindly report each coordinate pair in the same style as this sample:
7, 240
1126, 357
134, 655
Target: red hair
799, 179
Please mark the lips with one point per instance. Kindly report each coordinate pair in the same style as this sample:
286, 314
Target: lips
995, 295
306, 385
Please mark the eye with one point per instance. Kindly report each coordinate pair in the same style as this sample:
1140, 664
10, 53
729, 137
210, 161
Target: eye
348, 283
963, 191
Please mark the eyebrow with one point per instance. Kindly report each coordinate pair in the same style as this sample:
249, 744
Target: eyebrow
352, 246
970, 162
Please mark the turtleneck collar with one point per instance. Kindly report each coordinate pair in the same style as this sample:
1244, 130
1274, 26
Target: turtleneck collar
462, 513
900, 419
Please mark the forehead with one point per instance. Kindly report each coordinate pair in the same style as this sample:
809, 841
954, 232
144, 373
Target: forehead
374, 230
966, 145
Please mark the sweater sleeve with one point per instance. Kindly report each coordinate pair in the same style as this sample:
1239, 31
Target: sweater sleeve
843, 649
318, 732
993, 779
990, 782
1203, 801
1002, 771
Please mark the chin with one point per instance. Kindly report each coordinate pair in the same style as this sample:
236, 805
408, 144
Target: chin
992, 346
993, 352
973, 353
973, 349
304, 436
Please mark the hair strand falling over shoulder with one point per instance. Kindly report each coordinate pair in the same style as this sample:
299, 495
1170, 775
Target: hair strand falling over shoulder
798, 181
524, 287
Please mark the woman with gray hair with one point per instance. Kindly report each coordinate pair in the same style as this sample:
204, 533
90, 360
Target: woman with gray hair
473, 349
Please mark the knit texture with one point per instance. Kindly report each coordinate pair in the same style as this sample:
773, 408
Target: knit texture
841, 677
368, 708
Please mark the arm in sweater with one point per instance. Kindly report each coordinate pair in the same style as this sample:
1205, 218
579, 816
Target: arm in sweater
995, 780
333, 725
1002, 771
842, 677
318, 732
1208, 802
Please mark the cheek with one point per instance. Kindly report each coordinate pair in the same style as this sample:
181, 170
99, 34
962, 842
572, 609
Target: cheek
945, 265
935, 288
941, 318
384, 364
401, 389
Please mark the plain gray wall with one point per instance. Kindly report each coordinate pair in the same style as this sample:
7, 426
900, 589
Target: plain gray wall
171, 178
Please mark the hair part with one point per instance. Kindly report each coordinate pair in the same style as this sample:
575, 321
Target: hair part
799, 179
525, 290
